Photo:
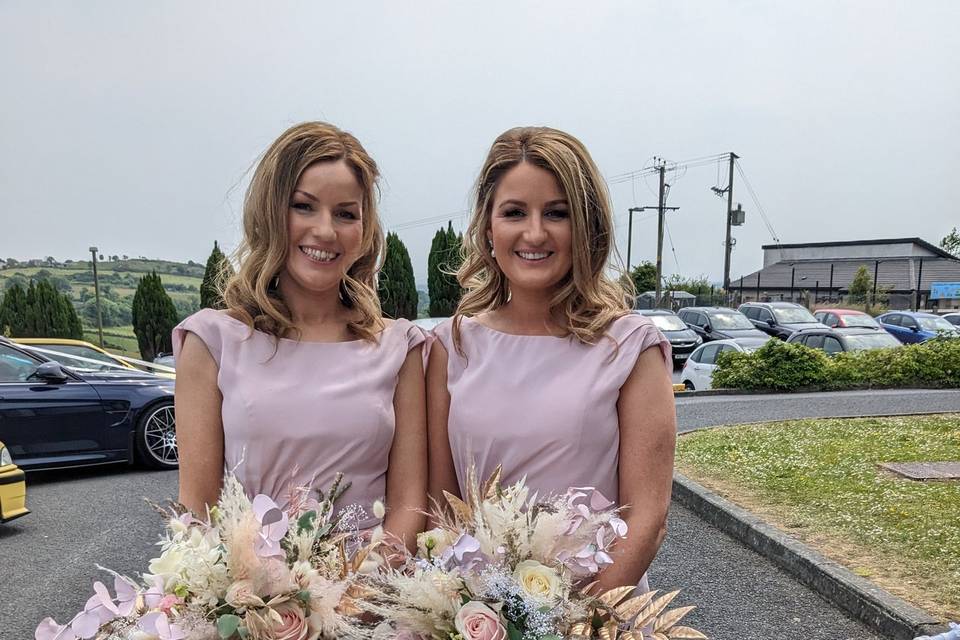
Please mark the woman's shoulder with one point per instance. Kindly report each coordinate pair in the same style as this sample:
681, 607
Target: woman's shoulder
630, 324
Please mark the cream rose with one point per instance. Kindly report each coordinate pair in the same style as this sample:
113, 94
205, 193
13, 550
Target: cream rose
538, 581
477, 621
242, 594
292, 625
434, 542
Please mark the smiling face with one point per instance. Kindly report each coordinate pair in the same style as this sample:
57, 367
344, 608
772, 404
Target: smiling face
324, 227
530, 229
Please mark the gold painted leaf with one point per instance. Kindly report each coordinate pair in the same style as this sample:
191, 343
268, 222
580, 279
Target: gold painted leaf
460, 509
582, 629
604, 633
671, 618
685, 633
659, 636
650, 614
613, 596
492, 485
629, 609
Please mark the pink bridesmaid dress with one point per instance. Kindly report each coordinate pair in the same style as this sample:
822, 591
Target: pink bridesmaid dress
298, 416
544, 407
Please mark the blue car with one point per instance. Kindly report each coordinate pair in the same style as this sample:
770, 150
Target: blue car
53, 416
915, 326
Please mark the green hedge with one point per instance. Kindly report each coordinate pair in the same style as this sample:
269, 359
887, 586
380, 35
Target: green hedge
778, 366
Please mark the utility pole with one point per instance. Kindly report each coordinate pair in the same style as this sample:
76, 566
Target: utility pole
660, 212
728, 245
631, 210
96, 288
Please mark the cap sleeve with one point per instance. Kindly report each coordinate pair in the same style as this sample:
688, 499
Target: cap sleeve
414, 337
207, 324
443, 335
634, 334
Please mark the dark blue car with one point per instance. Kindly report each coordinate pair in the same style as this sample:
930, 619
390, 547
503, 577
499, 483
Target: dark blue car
915, 326
53, 416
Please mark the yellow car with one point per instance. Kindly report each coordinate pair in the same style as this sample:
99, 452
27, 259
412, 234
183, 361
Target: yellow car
90, 351
13, 488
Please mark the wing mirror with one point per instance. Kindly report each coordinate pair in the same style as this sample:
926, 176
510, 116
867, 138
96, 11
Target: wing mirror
915, 328
772, 322
50, 372
706, 326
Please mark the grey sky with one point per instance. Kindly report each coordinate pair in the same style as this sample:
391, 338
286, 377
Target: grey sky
132, 125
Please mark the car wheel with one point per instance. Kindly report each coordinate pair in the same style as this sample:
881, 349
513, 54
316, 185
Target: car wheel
689, 385
157, 437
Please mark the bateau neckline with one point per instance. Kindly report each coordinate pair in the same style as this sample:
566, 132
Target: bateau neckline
291, 340
514, 335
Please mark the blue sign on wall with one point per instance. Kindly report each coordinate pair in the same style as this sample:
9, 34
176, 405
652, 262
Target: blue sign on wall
944, 290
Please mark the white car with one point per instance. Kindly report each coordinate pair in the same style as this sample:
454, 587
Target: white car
697, 374
952, 317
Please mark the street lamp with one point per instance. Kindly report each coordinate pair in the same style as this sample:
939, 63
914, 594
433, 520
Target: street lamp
96, 289
632, 210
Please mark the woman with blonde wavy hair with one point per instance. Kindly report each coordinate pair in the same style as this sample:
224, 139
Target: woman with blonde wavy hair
543, 369
300, 377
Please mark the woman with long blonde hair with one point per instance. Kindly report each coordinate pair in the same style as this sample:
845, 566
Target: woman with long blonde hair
300, 377
543, 369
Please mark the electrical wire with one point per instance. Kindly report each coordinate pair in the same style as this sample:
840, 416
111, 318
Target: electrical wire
756, 201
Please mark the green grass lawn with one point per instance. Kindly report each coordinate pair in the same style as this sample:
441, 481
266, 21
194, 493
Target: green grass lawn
819, 481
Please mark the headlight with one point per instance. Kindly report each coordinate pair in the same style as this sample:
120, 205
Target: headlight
5, 458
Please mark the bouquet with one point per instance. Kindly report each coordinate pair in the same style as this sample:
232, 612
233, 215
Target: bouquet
249, 570
506, 565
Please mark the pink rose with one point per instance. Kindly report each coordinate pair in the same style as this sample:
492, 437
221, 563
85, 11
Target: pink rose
292, 625
477, 621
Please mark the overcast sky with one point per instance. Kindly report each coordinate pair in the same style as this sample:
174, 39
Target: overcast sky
133, 125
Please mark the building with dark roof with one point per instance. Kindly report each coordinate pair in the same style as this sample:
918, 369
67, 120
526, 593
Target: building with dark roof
903, 270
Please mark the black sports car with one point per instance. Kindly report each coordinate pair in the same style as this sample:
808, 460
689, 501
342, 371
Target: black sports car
54, 416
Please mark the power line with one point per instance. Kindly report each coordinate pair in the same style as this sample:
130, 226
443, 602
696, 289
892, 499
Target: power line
756, 201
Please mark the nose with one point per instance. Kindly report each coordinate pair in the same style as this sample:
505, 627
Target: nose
535, 233
323, 227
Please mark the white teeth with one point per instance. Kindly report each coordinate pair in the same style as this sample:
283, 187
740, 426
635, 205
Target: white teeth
319, 254
532, 256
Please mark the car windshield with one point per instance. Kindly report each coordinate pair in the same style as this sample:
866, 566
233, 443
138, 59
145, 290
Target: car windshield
872, 341
668, 323
858, 320
79, 350
59, 352
793, 315
730, 320
935, 324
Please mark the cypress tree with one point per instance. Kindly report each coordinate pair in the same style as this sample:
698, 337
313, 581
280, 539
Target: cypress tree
13, 312
154, 316
217, 271
396, 286
40, 312
442, 264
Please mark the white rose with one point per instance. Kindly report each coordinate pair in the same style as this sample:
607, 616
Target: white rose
538, 581
434, 542
168, 566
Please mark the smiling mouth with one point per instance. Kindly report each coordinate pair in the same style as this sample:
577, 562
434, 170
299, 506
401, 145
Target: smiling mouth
319, 255
533, 256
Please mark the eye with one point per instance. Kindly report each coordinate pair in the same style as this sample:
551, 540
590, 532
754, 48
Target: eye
513, 213
346, 214
301, 206
557, 214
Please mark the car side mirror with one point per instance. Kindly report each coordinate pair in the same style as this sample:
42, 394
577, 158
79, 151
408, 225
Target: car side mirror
706, 326
772, 322
50, 372
914, 329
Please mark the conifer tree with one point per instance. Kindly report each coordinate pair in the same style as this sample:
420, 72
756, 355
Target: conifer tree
217, 271
154, 317
396, 286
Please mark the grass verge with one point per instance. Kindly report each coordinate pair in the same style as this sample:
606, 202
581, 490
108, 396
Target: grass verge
819, 481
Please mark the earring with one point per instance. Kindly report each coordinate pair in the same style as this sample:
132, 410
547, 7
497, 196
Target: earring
493, 254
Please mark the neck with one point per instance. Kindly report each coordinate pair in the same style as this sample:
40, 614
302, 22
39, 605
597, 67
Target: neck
309, 308
529, 309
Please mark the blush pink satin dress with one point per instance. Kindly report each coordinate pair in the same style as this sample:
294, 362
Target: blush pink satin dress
544, 407
298, 416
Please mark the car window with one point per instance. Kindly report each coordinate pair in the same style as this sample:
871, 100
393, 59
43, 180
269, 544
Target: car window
14, 366
935, 324
955, 320
763, 315
668, 323
907, 321
709, 354
877, 340
814, 342
793, 315
702, 320
729, 320
893, 318
748, 311
831, 345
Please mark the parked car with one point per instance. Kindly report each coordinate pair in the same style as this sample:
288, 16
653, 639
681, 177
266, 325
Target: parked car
13, 488
167, 360
83, 349
682, 339
838, 340
846, 318
719, 323
54, 416
915, 326
697, 374
779, 319
952, 317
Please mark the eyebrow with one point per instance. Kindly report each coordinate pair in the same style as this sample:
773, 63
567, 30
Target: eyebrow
348, 203
521, 203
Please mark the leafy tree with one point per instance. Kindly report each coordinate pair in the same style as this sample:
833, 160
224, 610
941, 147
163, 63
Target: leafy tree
442, 264
154, 316
13, 310
951, 242
644, 277
217, 271
395, 285
114, 314
17, 279
861, 286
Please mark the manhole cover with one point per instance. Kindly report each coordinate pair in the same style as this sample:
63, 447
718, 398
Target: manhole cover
925, 470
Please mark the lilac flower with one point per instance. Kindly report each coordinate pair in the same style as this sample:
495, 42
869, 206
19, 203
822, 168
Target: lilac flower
464, 553
577, 504
274, 525
49, 629
157, 624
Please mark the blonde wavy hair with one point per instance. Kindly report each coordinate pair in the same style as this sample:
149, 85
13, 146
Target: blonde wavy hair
248, 294
587, 300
